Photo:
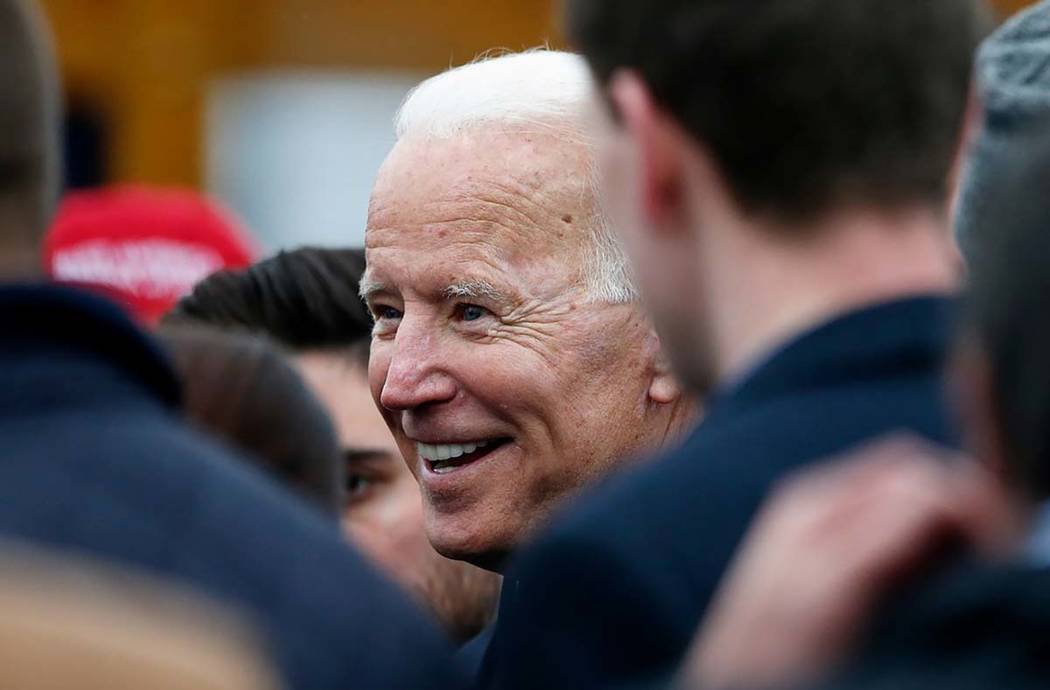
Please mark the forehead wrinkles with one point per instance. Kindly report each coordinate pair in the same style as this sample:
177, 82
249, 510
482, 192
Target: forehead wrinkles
444, 270
528, 190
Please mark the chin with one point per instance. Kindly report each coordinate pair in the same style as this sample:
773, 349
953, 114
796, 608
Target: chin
463, 544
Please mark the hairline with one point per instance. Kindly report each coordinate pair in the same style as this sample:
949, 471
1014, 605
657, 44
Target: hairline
605, 268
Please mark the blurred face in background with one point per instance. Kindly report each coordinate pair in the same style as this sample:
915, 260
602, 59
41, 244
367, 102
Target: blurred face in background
506, 385
383, 515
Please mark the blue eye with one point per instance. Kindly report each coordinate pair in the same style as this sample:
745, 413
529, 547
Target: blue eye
387, 313
472, 312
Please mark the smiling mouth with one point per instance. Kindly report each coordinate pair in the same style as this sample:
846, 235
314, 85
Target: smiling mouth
444, 458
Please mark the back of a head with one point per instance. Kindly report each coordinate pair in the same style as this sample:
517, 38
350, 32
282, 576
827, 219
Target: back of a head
804, 104
1012, 85
1009, 300
71, 623
305, 299
240, 389
29, 132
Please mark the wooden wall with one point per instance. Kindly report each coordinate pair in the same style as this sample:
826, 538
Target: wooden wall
1007, 7
147, 63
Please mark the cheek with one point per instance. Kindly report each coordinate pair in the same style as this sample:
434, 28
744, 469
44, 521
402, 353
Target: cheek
400, 522
378, 365
391, 513
602, 381
402, 508
544, 397
507, 379
379, 544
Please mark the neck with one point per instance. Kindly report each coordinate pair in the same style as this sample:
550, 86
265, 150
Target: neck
846, 261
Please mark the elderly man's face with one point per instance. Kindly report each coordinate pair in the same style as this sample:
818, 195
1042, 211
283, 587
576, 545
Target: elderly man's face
505, 386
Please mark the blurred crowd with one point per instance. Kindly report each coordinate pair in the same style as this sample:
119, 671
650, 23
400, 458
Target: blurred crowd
704, 358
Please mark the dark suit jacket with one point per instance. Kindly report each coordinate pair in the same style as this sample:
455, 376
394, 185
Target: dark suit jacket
613, 594
973, 628
471, 654
95, 460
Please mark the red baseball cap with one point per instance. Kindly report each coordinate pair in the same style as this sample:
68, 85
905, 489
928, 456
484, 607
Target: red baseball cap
145, 246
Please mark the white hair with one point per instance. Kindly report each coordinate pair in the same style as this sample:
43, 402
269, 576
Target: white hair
541, 89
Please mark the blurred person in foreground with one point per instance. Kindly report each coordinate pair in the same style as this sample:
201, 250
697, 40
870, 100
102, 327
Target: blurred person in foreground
778, 171
306, 300
509, 357
144, 247
79, 623
1011, 103
97, 462
870, 566
240, 389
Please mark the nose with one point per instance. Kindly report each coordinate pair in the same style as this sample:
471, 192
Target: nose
415, 377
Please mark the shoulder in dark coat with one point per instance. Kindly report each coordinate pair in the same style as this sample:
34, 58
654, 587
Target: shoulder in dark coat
613, 594
95, 461
971, 628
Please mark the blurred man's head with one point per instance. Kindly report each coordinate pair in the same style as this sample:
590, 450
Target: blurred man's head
748, 136
1006, 364
510, 357
1012, 98
29, 136
307, 301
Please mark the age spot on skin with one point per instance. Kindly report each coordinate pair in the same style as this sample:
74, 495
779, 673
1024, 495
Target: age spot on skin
567, 218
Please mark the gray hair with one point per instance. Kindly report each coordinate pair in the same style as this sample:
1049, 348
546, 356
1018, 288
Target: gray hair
541, 89
1012, 76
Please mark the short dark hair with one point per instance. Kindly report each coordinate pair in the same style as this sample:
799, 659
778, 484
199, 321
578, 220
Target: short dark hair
1008, 302
238, 388
804, 104
29, 122
306, 299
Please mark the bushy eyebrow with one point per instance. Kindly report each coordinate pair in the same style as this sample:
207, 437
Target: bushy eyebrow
368, 286
467, 289
473, 289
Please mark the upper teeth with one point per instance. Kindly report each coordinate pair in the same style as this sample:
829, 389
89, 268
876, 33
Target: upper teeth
445, 451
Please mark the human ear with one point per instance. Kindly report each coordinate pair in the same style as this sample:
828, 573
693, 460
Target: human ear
664, 388
655, 138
